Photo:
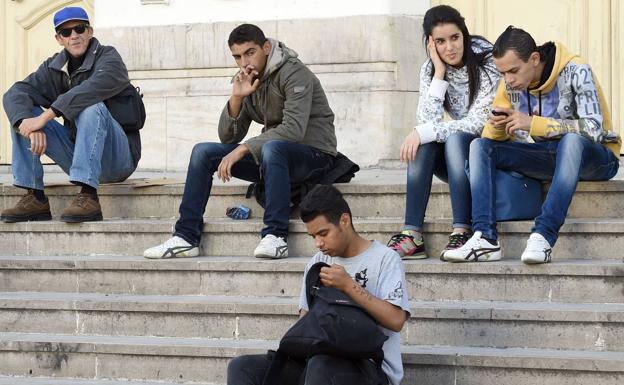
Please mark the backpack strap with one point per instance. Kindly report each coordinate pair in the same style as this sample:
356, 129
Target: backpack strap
313, 281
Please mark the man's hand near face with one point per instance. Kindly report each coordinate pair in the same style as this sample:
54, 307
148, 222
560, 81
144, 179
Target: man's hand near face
224, 171
513, 121
245, 83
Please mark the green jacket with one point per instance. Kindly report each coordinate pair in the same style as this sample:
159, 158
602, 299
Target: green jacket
290, 103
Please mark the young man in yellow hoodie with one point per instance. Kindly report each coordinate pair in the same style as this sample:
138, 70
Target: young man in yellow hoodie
550, 121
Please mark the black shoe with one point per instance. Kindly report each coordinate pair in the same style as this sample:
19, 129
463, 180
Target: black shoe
456, 240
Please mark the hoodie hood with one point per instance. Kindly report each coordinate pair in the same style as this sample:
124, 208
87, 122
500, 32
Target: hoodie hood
562, 58
279, 55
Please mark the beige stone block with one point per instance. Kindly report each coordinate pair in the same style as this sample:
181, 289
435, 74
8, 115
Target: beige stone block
154, 135
410, 53
207, 44
371, 125
339, 40
132, 43
191, 121
179, 83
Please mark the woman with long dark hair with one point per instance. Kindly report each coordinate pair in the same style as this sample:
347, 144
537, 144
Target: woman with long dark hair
460, 78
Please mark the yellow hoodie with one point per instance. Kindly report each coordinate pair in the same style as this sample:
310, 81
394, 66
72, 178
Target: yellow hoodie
570, 101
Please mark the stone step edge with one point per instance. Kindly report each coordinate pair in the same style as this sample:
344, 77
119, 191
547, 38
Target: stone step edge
240, 188
9, 380
362, 225
571, 267
227, 348
287, 306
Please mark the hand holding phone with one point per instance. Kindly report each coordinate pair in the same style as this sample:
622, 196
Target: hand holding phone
499, 113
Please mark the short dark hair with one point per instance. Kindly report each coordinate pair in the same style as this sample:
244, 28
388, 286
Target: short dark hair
324, 200
245, 33
517, 40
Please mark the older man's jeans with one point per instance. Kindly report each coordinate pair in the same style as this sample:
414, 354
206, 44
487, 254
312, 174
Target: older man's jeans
282, 163
448, 162
564, 161
99, 154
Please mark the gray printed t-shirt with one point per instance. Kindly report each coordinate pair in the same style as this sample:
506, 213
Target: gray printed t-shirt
379, 270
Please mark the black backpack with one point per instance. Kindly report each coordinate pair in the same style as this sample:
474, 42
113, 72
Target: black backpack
340, 170
127, 108
335, 326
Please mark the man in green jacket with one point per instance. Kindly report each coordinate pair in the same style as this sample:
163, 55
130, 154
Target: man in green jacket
277, 90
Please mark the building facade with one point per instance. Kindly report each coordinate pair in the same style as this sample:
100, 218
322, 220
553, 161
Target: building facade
367, 55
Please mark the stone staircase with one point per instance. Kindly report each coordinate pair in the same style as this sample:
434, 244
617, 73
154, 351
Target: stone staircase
79, 306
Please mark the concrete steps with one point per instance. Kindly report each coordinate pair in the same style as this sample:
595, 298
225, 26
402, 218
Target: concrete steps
180, 360
372, 195
589, 327
73, 381
569, 281
80, 306
598, 238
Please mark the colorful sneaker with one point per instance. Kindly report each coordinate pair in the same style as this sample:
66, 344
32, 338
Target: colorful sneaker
477, 249
456, 240
271, 247
537, 250
174, 247
407, 246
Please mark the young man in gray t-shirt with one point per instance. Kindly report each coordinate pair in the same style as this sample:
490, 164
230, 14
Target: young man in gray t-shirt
368, 272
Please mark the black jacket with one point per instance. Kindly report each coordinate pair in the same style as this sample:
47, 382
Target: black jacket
101, 76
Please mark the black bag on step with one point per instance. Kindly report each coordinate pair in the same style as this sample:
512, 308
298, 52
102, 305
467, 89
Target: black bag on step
340, 170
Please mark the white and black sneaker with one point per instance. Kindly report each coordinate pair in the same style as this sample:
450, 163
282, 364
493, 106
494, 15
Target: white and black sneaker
174, 247
476, 249
271, 247
537, 250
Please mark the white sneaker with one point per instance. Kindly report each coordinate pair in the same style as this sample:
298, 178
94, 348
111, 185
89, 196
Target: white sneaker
174, 247
271, 247
476, 249
537, 250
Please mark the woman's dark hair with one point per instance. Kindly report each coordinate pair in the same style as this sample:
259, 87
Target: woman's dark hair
444, 14
517, 40
245, 33
324, 200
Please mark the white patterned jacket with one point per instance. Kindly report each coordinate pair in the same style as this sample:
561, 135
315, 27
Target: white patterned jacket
431, 125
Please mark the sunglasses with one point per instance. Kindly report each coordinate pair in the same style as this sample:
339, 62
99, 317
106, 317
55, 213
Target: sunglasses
80, 29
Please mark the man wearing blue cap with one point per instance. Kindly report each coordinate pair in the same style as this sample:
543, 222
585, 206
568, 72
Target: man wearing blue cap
86, 84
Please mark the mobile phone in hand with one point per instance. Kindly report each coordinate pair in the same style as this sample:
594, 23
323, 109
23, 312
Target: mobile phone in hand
499, 113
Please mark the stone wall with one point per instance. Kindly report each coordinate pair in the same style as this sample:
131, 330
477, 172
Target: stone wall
368, 65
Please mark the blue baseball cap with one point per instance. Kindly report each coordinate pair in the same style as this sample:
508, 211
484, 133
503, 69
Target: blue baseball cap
69, 13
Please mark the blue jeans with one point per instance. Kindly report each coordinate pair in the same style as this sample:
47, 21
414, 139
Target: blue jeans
282, 163
564, 161
99, 154
448, 162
